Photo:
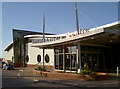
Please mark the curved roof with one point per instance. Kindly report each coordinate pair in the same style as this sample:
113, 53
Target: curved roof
106, 26
91, 31
32, 36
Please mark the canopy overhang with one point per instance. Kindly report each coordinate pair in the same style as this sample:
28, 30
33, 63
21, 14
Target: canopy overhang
99, 37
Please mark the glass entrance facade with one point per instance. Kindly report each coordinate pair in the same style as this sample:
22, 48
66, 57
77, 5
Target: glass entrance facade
92, 58
70, 58
69, 55
96, 58
58, 58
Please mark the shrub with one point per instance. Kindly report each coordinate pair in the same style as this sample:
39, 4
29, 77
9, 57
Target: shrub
93, 73
84, 72
41, 69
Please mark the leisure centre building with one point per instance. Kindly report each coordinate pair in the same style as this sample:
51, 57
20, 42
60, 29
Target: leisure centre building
95, 48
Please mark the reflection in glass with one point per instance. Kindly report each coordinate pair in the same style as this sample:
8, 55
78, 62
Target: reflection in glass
61, 61
60, 50
73, 49
67, 61
70, 58
56, 61
56, 51
73, 61
67, 50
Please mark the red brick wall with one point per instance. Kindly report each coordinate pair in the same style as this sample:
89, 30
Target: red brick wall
71, 76
19, 65
48, 67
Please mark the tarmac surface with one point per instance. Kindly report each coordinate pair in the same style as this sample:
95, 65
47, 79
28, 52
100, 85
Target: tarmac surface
20, 78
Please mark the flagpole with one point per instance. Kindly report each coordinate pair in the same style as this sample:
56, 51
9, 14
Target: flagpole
77, 22
78, 44
43, 37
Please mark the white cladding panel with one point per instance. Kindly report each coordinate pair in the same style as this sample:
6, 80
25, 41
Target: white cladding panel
33, 52
9, 54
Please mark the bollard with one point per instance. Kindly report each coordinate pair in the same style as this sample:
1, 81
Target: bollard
117, 71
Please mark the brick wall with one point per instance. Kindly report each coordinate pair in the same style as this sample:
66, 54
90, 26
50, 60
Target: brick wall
48, 67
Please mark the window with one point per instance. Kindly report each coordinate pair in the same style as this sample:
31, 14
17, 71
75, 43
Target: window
47, 59
67, 49
12, 59
73, 49
39, 58
56, 61
27, 58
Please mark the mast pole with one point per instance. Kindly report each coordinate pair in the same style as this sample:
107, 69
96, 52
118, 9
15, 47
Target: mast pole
77, 22
78, 44
43, 37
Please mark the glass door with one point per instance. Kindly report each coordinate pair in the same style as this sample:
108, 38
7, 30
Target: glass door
67, 61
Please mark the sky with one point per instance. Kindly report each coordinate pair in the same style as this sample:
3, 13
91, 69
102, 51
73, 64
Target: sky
59, 16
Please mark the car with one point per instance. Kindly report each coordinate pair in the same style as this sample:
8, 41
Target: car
0, 64
8, 67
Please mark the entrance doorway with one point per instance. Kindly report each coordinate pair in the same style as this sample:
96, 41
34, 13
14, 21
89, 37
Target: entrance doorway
69, 57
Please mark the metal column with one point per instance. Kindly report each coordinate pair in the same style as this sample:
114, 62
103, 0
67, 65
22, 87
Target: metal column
79, 57
63, 58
